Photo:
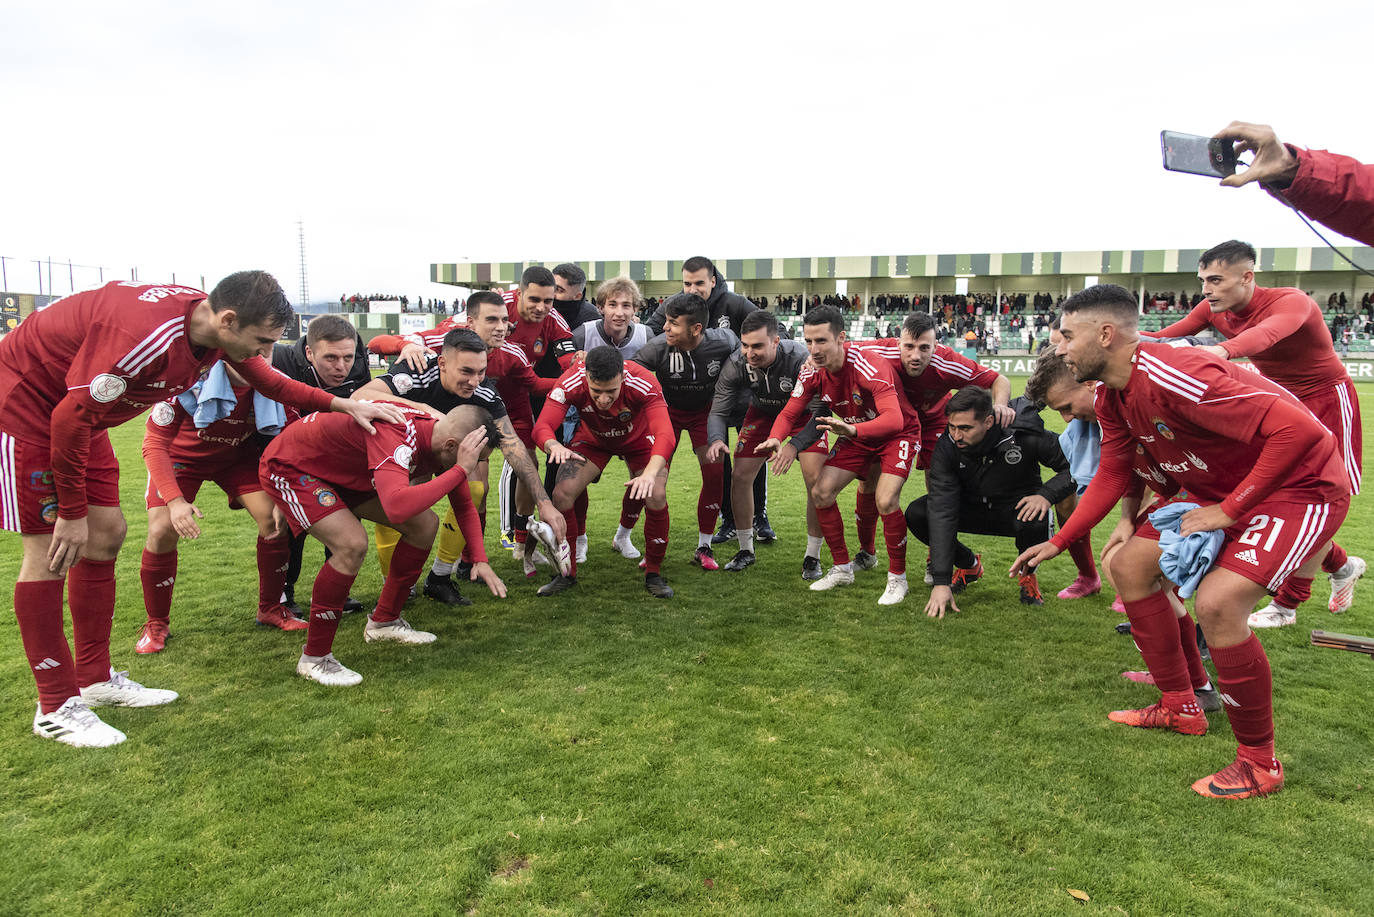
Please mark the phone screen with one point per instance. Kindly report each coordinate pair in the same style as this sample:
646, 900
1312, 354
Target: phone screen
1197, 155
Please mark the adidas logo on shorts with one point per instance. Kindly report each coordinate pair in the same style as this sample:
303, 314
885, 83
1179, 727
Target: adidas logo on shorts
1248, 556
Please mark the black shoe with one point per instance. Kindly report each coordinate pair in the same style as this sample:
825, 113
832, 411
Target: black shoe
1124, 627
763, 531
1202, 649
463, 572
657, 586
351, 605
442, 589
1209, 700
741, 560
865, 561
726, 533
811, 568
288, 600
558, 584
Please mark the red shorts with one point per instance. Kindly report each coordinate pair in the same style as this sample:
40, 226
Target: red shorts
635, 452
304, 498
754, 429
1273, 539
28, 496
897, 455
932, 428
524, 429
235, 479
1338, 408
694, 422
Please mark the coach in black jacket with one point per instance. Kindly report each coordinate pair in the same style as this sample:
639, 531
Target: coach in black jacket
320, 357
723, 308
985, 480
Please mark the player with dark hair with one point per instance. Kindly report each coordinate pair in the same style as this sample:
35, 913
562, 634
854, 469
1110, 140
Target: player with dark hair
325, 476
453, 377
1282, 332
985, 479
67, 374
619, 300
184, 446
622, 413
687, 359
1269, 477
761, 375
878, 437
570, 296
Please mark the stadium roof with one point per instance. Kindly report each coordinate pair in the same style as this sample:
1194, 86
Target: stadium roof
1006, 264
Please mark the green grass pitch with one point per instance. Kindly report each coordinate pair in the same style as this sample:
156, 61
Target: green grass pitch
748, 747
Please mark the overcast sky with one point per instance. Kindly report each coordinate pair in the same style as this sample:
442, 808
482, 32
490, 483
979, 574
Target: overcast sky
190, 138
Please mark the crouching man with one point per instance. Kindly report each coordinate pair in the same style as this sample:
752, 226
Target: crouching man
325, 478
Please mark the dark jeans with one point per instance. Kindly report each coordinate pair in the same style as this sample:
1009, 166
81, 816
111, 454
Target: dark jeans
981, 519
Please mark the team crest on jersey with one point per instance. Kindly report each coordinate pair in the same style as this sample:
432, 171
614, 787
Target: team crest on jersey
1013, 455
48, 509
786, 384
325, 496
1139, 449
1164, 431
106, 388
163, 414
41, 480
538, 347
403, 382
403, 455
557, 395
624, 416
306, 480
856, 398
713, 368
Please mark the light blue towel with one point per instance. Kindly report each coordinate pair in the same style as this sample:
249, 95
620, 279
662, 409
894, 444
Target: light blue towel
212, 399
1185, 560
1082, 445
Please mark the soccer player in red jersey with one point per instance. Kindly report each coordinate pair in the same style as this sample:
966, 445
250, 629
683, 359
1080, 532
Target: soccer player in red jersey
1282, 332
87, 363
181, 455
1269, 478
325, 475
878, 439
621, 412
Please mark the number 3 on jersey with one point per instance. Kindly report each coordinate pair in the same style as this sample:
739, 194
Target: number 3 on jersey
1255, 531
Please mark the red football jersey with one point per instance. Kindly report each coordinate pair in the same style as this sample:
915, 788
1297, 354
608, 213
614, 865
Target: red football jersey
538, 338
322, 446
863, 392
1282, 332
1197, 418
946, 371
639, 412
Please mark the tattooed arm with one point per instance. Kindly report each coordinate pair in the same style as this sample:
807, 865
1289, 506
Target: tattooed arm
518, 458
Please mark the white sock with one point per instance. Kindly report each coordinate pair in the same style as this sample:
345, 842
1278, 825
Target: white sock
1206, 687
581, 541
813, 546
622, 533
847, 568
746, 539
704, 539
441, 568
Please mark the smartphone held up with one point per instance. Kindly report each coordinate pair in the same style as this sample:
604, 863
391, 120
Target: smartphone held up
1198, 155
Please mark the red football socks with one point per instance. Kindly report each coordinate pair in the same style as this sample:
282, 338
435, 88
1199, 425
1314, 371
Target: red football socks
832, 527
1294, 591
655, 538
580, 507
274, 556
866, 521
574, 525
708, 501
894, 533
91, 597
1082, 553
158, 573
1247, 687
38, 606
1156, 633
326, 607
407, 562
1334, 559
630, 509
1187, 639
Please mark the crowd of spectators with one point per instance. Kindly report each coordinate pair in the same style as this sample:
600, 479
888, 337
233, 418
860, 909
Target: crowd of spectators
358, 303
